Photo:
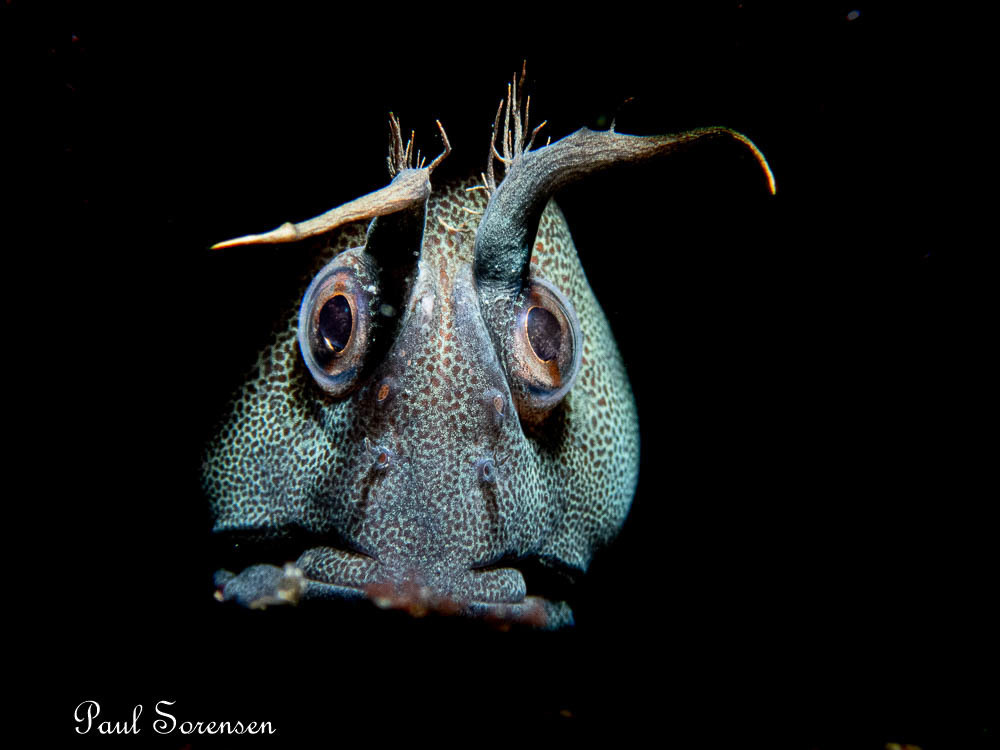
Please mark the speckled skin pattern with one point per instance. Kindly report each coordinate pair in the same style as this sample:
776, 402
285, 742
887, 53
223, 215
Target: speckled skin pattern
426, 480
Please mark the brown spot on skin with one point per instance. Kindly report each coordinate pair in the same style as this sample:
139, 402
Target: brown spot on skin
498, 404
383, 392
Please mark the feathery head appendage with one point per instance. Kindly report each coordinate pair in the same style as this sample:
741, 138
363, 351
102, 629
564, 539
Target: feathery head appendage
400, 155
447, 149
410, 187
516, 125
503, 240
771, 183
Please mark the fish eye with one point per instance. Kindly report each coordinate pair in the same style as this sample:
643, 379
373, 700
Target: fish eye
546, 348
543, 333
335, 323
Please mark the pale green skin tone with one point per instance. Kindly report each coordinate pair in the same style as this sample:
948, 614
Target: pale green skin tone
397, 485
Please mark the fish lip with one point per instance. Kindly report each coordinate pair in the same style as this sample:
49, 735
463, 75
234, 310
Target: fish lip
333, 570
264, 585
328, 575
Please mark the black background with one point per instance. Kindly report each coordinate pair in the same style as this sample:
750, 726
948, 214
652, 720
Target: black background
805, 564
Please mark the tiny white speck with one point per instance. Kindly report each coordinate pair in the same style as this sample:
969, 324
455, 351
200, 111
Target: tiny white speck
387, 310
427, 305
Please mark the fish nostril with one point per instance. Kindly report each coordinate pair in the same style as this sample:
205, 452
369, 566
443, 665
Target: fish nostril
386, 391
496, 406
486, 471
381, 456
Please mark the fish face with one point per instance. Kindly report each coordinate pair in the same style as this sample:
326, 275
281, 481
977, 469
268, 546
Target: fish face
446, 407
437, 445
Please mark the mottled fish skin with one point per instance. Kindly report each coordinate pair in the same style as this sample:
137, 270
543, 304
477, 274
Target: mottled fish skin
426, 480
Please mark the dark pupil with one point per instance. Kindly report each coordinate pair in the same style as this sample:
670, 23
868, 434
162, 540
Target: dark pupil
543, 333
335, 323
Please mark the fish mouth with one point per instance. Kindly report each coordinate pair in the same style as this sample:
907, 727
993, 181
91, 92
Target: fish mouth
496, 593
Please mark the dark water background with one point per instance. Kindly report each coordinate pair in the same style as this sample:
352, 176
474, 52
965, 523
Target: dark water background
805, 564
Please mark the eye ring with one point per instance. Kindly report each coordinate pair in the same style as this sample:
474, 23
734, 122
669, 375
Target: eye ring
546, 348
325, 323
